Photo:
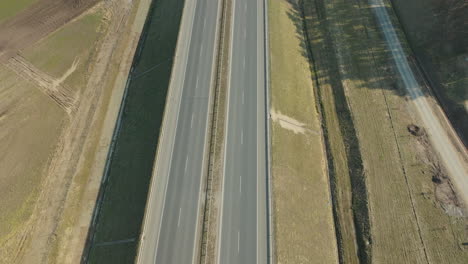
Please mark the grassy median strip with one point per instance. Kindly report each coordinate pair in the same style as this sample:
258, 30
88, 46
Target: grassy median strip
214, 183
303, 226
125, 191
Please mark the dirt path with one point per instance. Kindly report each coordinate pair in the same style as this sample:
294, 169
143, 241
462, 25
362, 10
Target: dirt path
442, 136
50, 86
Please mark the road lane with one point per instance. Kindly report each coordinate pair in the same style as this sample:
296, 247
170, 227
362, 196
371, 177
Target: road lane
171, 231
243, 217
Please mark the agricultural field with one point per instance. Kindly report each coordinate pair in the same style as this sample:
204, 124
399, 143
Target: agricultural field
303, 220
436, 32
54, 75
388, 202
11, 8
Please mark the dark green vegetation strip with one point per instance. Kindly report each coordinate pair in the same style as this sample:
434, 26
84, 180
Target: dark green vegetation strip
326, 67
119, 218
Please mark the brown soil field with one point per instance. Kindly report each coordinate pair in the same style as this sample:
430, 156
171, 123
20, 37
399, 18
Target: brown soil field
63, 67
37, 21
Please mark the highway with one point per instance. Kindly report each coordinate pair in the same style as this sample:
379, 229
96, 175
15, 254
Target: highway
243, 223
453, 160
171, 228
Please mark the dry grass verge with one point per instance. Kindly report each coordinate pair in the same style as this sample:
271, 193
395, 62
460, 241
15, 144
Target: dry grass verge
303, 226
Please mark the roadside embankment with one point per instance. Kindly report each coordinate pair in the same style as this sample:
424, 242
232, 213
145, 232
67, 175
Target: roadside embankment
118, 215
303, 219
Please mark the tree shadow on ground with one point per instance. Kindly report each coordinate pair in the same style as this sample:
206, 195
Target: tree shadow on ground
342, 40
354, 49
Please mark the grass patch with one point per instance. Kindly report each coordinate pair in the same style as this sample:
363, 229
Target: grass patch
303, 225
125, 191
351, 212
10, 8
75, 41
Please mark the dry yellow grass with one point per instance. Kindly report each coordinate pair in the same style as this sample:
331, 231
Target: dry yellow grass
304, 230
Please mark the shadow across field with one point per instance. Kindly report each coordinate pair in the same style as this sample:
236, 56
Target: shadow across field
346, 46
347, 51
325, 72
367, 54
122, 198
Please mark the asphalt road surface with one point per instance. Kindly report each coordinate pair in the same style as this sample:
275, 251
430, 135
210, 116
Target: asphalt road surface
450, 157
171, 229
243, 216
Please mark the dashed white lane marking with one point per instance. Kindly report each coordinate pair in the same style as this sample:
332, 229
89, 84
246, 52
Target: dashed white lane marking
196, 86
242, 97
186, 161
242, 137
240, 184
191, 122
180, 212
238, 241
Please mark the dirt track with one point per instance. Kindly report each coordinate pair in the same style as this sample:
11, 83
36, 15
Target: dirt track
36, 22
51, 87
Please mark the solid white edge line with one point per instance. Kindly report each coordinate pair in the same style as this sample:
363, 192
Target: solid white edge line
221, 207
238, 241
191, 121
256, 149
